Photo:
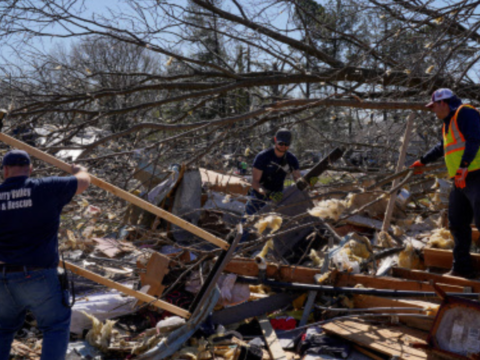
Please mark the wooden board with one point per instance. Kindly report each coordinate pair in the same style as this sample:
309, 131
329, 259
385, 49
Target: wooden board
439, 279
367, 301
228, 184
156, 269
389, 340
287, 273
443, 259
345, 279
274, 347
126, 290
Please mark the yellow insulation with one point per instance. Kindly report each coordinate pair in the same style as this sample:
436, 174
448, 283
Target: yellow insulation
441, 239
329, 209
409, 258
317, 260
272, 221
268, 246
358, 248
100, 334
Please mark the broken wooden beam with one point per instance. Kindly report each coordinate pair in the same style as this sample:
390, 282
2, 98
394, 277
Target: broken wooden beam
306, 275
345, 279
400, 166
393, 341
118, 192
274, 347
126, 290
155, 270
468, 285
443, 259
248, 267
366, 301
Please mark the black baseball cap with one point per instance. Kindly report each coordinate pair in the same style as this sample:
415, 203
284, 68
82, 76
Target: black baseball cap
284, 135
16, 158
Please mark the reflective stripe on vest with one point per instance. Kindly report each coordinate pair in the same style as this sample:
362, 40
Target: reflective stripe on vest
454, 146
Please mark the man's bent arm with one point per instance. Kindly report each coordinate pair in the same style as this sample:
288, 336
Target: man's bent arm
256, 177
83, 178
433, 154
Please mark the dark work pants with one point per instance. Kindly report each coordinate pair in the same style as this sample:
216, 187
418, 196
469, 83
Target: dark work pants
464, 206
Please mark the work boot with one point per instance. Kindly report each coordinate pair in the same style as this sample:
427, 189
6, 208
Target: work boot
467, 275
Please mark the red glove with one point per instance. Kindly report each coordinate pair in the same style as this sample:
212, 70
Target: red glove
460, 177
415, 165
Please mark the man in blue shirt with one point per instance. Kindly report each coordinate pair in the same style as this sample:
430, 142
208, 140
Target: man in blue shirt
270, 168
460, 146
29, 220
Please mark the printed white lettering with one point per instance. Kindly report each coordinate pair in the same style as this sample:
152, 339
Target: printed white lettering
16, 194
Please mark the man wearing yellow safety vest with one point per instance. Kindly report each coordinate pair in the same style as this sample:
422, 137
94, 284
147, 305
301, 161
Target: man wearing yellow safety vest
460, 144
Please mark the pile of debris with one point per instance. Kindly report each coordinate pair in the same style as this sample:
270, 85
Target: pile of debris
337, 270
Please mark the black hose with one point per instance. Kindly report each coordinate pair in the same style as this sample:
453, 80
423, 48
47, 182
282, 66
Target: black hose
347, 290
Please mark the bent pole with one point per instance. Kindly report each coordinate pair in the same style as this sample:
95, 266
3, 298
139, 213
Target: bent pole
118, 192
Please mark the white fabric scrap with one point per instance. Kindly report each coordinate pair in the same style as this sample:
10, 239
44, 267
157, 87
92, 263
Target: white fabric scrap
101, 305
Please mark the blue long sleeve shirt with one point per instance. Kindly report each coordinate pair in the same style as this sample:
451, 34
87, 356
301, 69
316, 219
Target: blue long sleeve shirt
469, 124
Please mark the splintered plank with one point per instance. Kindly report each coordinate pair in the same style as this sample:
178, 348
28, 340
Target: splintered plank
126, 290
345, 279
248, 267
443, 259
274, 347
438, 279
367, 301
390, 340
228, 184
156, 269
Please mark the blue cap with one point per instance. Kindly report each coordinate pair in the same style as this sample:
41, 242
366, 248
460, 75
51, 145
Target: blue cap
16, 158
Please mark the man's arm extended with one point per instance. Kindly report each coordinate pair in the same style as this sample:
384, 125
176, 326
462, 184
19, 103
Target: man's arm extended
256, 177
433, 154
83, 178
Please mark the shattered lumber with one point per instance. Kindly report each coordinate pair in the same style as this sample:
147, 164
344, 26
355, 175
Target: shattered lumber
468, 285
393, 340
274, 347
118, 192
155, 270
341, 279
366, 301
126, 290
443, 259
248, 267
400, 166
306, 275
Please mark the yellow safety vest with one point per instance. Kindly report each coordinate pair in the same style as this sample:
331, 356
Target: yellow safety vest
454, 146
